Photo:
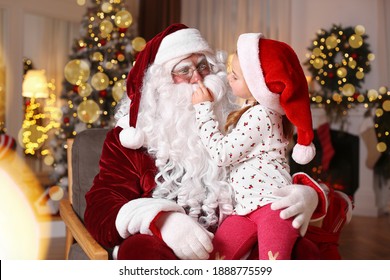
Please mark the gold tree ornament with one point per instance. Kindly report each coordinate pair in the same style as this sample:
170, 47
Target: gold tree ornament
107, 7
360, 29
118, 90
355, 41
123, 19
331, 42
106, 26
100, 81
77, 71
88, 111
386, 105
85, 89
381, 147
138, 44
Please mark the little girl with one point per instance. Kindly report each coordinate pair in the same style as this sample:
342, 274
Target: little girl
268, 75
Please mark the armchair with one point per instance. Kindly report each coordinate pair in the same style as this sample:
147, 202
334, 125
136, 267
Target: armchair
83, 164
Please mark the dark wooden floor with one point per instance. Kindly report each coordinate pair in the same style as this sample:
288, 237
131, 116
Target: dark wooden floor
365, 238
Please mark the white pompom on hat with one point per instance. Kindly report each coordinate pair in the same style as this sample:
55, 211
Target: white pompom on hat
176, 42
275, 78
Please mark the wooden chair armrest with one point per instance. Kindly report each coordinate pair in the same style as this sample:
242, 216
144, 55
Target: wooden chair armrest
93, 249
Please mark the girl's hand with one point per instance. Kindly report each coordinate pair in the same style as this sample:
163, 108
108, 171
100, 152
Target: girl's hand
202, 94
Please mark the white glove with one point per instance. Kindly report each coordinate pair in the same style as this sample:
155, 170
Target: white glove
187, 239
136, 215
298, 201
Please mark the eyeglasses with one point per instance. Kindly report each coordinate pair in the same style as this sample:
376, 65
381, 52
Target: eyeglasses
187, 72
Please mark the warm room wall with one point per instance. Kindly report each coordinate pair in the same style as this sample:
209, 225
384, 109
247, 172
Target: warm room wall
21, 39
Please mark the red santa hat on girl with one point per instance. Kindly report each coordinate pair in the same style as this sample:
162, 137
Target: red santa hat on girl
174, 43
275, 78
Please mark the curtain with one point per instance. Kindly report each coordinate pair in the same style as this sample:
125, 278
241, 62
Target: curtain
48, 43
222, 21
156, 15
384, 42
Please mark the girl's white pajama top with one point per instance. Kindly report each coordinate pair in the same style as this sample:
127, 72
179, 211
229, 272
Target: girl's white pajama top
254, 151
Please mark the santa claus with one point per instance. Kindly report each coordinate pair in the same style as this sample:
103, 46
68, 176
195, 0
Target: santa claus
157, 194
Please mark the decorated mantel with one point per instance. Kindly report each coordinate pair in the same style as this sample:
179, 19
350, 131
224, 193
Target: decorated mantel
338, 61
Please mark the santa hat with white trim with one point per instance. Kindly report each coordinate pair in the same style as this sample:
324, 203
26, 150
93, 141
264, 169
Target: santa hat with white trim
174, 43
275, 78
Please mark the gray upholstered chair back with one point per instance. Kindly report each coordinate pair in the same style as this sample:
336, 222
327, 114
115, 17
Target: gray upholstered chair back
86, 151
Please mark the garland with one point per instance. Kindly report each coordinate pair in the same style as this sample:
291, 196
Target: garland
340, 59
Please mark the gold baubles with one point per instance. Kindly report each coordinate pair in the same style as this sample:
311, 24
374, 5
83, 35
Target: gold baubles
107, 7
97, 56
360, 29
352, 63
88, 111
372, 94
348, 89
382, 90
359, 75
341, 72
118, 90
386, 105
123, 19
85, 89
317, 51
138, 43
106, 26
318, 63
100, 81
77, 71
381, 147
331, 42
355, 41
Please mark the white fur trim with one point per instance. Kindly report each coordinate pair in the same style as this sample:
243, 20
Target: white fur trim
132, 138
303, 154
115, 252
248, 54
136, 215
180, 43
124, 121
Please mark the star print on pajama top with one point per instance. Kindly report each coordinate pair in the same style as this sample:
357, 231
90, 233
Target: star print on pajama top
254, 151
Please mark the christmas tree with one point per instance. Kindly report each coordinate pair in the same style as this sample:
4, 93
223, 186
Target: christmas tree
95, 76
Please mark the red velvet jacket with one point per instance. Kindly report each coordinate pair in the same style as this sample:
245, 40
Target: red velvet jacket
115, 185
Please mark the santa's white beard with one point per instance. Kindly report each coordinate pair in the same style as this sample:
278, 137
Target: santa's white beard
186, 172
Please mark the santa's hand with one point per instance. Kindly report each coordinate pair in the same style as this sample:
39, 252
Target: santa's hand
201, 94
298, 201
187, 239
